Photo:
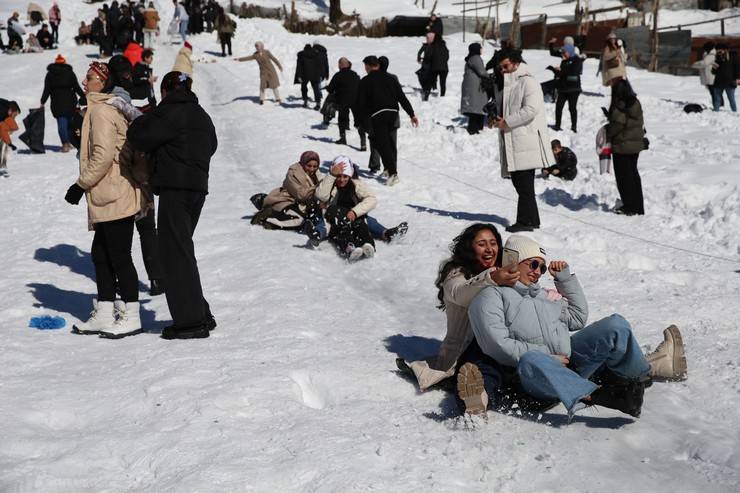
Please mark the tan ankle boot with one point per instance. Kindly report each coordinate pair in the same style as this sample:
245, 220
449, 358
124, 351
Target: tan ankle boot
668, 361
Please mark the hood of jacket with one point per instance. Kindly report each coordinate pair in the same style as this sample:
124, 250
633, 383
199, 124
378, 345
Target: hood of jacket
530, 291
59, 68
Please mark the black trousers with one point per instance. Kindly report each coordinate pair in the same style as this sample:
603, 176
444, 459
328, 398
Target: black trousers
225, 40
526, 209
383, 139
316, 90
475, 123
572, 99
149, 247
442, 82
629, 183
55, 32
179, 211
111, 255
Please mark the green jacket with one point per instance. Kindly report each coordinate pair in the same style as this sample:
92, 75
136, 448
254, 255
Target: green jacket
626, 128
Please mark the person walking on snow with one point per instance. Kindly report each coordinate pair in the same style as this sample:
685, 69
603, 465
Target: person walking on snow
308, 70
151, 25
726, 70
378, 98
268, 75
62, 86
523, 140
344, 86
114, 200
225, 27
181, 137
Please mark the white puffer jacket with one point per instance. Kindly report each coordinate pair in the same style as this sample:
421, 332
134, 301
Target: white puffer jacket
525, 144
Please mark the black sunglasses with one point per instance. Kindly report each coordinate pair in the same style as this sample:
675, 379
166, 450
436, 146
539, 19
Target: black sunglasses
535, 264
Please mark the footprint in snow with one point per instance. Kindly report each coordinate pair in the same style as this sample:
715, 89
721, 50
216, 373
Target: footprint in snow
309, 391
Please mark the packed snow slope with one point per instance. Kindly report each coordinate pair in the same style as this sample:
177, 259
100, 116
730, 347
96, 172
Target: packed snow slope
296, 390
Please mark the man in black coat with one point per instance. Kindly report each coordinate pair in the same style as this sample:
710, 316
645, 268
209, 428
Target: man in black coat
377, 103
309, 69
181, 137
61, 85
567, 162
433, 56
343, 87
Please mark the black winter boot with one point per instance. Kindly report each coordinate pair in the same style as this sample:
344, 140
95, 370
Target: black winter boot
363, 141
257, 199
342, 138
156, 287
622, 394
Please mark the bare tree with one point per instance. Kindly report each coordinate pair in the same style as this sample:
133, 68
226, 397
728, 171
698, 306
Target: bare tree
335, 11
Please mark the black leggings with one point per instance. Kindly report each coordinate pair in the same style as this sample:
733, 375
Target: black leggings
629, 183
526, 210
572, 99
111, 255
149, 249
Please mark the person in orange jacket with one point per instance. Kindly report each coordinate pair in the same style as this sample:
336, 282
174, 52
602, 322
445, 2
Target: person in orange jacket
9, 110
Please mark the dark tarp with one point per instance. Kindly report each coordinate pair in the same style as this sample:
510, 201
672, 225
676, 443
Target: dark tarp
33, 137
402, 25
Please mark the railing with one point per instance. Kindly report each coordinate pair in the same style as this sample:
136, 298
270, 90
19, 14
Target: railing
721, 21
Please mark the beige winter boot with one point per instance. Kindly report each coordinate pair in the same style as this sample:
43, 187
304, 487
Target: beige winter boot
470, 389
668, 361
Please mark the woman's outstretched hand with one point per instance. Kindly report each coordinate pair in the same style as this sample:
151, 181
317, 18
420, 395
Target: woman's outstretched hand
505, 276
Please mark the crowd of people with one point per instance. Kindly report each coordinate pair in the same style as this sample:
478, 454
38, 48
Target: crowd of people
508, 339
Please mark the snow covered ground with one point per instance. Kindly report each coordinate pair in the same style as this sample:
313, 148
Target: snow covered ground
296, 390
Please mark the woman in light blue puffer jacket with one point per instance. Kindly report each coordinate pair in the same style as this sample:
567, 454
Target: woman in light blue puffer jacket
527, 328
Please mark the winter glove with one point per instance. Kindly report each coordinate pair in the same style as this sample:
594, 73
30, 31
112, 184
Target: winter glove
13, 147
74, 194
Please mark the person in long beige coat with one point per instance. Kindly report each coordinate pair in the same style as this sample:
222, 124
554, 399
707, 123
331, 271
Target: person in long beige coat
475, 264
268, 75
613, 61
184, 61
114, 198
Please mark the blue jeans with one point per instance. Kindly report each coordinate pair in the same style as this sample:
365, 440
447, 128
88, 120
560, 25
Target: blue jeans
376, 229
63, 128
608, 343
717, 97
184, 30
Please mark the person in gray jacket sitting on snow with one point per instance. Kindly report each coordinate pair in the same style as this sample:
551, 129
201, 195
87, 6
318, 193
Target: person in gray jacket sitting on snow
526, 330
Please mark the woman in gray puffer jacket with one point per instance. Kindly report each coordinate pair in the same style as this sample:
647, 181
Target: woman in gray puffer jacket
528, 328
474, 96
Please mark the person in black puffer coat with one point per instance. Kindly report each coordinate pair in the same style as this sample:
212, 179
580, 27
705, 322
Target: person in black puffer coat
433, 56
46, 39
181, 137
726, 72
343, 87
569, 85
62, 86
308, 69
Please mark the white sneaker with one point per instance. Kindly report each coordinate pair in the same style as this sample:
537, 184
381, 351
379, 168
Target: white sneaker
101, 318
368, 250
392, 180
127, 321
384, 174
356, 254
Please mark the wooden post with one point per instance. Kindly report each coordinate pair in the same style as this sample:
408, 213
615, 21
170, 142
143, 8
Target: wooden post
653, 67
514, 35
497, 24
722, 27
463, 21
488, 20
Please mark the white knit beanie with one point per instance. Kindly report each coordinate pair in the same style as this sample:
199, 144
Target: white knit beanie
519, 248
568, 40
348, 168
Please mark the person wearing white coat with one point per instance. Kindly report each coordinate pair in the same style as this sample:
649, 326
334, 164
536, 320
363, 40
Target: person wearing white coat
523, 137
705, 65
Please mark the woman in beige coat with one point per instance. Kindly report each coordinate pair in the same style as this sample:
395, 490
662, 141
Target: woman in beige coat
268, 75
114, 199
613, 61
184, 61
475, 264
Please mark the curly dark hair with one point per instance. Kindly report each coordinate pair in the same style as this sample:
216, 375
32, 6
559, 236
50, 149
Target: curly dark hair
463, 257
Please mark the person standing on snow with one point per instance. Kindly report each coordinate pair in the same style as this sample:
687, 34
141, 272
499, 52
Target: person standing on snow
705, 66
181, 137
344, 85
9, 111
626, 132
55, 18
114, 199
62, 86
726, 70
378, 98
143, 78
523, 140
268, 75
183, 60
151, 25
568, 76
433, 56
473, 96
181, 17
308, 70
225, 26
